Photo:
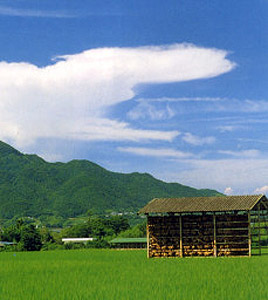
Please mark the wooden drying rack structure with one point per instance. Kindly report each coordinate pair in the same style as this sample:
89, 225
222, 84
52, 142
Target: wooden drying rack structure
217, 229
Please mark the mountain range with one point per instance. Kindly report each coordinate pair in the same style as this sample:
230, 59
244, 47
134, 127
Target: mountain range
30, 186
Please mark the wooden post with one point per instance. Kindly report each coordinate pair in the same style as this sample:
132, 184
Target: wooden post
148, 237
249, 235
215, 237
259, 225
181, 250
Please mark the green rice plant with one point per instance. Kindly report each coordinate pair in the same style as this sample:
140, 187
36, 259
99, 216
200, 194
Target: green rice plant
115, 274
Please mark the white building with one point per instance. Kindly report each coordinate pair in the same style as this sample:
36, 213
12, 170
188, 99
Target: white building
76, 240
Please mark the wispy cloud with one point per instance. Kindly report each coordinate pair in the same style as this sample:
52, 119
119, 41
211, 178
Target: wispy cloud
22, 12
249, 140
198, 141
240, 105
101, 129
161, 152
231, 120
182, 99
254, 106
244, 153
218, 104
228, 128
148, 111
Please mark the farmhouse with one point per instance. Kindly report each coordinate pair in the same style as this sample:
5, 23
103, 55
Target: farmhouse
206, 226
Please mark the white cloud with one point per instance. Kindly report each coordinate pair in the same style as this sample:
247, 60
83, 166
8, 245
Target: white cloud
110, 130
51, 157
244, 153
228, 191
68, 99
238, 105
228, 128
246, 140
171, 153
254, 106
243, 174
19, 12
262, 190
198, 141
219, 104
148, 111
181, 99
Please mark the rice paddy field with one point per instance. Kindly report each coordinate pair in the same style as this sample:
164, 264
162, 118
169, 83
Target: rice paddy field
113, 274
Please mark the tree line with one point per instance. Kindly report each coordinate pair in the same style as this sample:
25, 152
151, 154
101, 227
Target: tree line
25, 235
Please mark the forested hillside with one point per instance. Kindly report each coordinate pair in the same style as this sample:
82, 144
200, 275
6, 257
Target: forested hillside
30, 186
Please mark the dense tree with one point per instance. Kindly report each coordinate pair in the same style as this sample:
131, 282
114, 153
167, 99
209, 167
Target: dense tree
136, 231
97, 227
117, 223
76, 231
30, 238
46, 236
12, 233
26, 236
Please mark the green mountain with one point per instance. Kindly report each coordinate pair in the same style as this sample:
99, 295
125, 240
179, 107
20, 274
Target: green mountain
30, 186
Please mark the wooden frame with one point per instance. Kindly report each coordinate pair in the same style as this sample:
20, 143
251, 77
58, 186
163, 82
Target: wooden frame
181, 247
259, 227
215, 236
207, 234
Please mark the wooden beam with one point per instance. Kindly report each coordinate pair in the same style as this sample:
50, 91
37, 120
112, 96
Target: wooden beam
265, 204
249, 235
148, 238
181, 250
215, 236
259, 230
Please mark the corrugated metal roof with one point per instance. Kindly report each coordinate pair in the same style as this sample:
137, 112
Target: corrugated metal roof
128, 240
202, 204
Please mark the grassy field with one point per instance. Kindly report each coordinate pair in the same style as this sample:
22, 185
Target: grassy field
112, 274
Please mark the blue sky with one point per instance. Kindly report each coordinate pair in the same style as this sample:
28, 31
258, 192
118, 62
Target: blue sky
172, 88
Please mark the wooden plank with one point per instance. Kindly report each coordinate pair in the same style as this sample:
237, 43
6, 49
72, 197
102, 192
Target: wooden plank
214, 231
232, 235
259, 225
265, 204
232, 228
232, 243
148, 239
231, 222
233, 249
249, 235
181, 249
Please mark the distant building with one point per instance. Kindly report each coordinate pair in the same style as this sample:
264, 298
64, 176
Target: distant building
3, 243
129, 243
77, 240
